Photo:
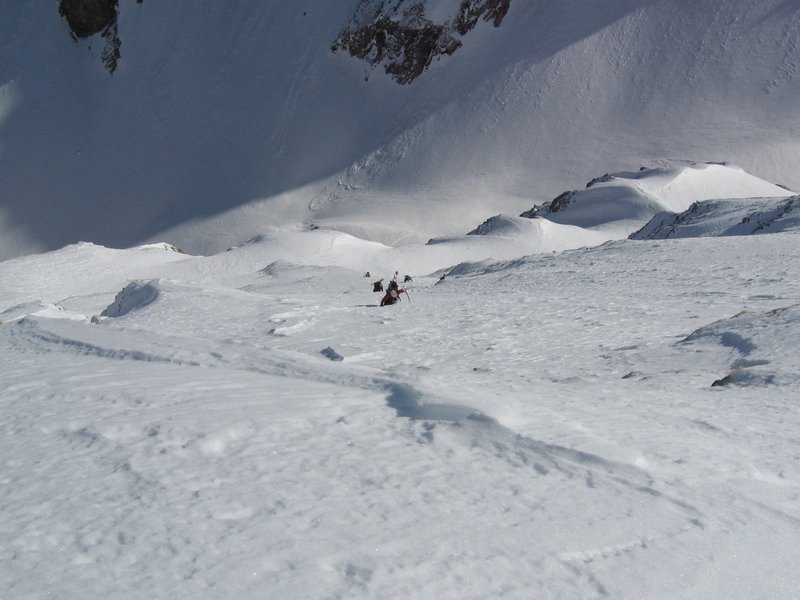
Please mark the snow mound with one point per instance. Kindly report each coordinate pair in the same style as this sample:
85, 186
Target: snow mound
20, 311
503, 237
617, 202
289, 271
283, 275
41, 309
747, 341
725, 217
135, 295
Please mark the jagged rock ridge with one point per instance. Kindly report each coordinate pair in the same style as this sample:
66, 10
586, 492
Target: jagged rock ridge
401, 37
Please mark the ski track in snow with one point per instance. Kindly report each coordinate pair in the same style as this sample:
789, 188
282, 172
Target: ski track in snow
539, 428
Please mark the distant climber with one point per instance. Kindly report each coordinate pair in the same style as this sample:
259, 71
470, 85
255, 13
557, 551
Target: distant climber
367, 275
407, 278
377, 286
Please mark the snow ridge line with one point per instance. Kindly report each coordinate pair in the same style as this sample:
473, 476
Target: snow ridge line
31, 330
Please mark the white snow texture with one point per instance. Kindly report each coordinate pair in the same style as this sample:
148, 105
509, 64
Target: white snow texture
596, 400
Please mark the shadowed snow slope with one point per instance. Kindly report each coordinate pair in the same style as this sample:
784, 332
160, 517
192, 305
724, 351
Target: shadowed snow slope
226, 120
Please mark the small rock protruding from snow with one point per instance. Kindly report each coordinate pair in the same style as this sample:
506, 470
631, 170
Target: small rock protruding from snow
331, 354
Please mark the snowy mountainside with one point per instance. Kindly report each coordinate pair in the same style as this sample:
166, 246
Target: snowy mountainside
725, 217
224, 121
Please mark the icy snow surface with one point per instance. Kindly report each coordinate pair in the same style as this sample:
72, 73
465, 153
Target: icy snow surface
542, 427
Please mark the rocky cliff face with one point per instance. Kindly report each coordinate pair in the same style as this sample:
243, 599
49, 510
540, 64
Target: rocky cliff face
399, 35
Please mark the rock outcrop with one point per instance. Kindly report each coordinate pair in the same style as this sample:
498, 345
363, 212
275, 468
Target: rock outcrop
398, 34
470, 11
90, 17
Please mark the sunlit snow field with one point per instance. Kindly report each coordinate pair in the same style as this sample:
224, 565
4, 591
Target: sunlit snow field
546, 427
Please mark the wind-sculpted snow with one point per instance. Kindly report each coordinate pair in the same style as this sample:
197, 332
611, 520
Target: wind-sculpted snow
750, 338
725, 217
622, 202
481, 431
539, 427
407, 402
29, 334
135, 295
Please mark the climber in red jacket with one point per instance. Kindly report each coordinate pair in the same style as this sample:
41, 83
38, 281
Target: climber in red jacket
392, 294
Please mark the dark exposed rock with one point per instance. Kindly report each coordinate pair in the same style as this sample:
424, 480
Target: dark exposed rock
601, 179
724, 381
406, 46
557, 204
561, 201
89, 17
111, 54
470, 11
398, 35
486, 227
532, 213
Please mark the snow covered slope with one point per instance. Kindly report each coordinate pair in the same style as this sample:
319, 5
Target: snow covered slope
613, 422
620, 203
224, 121
726, 217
